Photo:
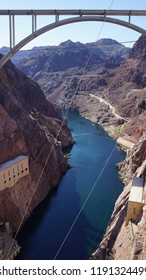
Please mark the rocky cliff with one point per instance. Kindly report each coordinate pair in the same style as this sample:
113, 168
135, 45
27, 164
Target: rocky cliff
29, 125
71, 72
113, 95
69, 55
120, 241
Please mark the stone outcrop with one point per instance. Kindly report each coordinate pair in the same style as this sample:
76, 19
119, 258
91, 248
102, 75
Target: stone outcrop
73, 55
29, 125
134, 160
120, 241
68, 77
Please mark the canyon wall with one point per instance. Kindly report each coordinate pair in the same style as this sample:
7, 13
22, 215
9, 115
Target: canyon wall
29, 125
121, 241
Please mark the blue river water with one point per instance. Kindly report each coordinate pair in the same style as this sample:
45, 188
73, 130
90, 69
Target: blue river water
71, 221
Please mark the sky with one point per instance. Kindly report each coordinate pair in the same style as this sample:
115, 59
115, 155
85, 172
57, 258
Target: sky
83, 32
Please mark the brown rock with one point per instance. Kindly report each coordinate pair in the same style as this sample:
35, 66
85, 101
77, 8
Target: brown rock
29, 125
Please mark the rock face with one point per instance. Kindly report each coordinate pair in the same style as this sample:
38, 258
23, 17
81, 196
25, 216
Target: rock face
70, 55
17, 56
69, 73
29, 125
134, 160
120, 241
122, 85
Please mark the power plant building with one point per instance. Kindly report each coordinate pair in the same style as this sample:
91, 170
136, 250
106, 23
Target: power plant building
12, 171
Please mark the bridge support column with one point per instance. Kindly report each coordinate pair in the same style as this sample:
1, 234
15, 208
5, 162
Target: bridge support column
130, 17
13, 22
12, 30
34, 23
56, 18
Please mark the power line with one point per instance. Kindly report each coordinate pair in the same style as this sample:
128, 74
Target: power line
41, 173
85, 202
91, 191
102, 223
84, 46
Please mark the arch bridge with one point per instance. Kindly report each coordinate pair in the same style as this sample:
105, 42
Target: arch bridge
73, 16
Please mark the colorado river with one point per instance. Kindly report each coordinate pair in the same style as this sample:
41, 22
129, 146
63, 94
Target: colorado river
70, 222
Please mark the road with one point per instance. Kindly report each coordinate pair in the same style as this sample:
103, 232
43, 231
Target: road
110, 106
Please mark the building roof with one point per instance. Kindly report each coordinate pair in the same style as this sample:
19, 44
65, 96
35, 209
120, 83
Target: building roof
11, 162
137, 182
136, 189
125, 142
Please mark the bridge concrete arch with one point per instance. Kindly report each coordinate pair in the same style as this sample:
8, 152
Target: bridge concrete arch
59, 23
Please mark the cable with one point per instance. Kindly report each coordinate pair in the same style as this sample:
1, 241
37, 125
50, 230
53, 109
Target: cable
105, 18
98, 35
100, 172
72, 47
88, 196
113, 199
62, 123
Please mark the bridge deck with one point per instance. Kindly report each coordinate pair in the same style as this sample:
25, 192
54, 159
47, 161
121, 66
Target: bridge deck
75, 12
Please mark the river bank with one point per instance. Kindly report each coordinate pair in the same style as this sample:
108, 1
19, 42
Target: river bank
98, 110
89, 174
122, 242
